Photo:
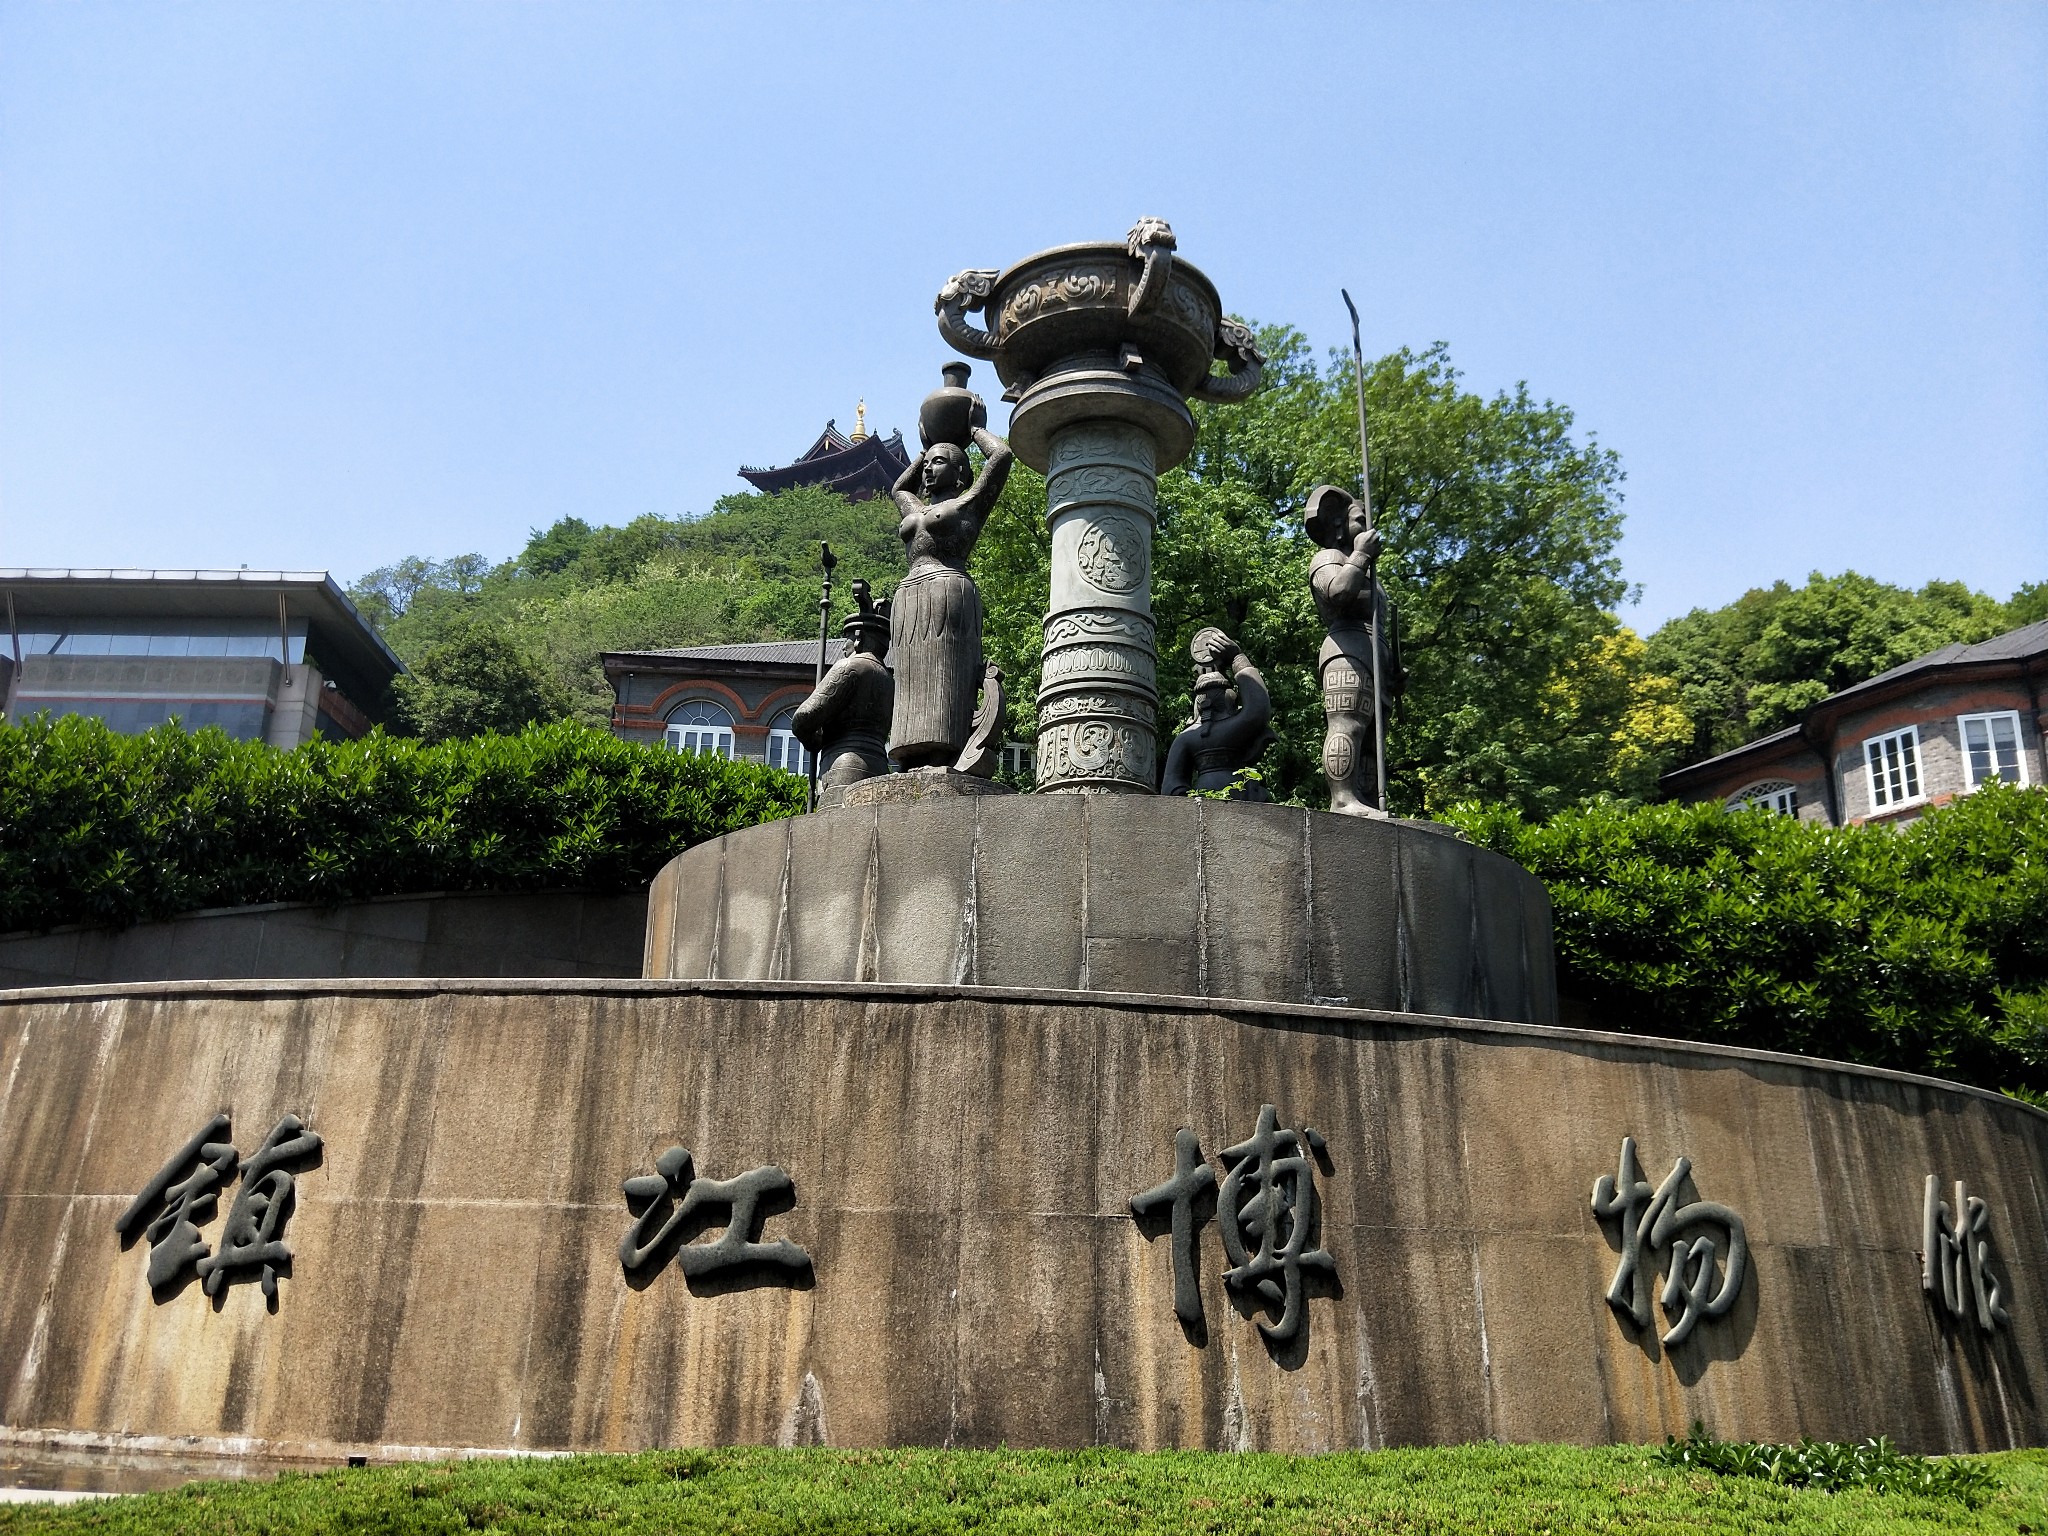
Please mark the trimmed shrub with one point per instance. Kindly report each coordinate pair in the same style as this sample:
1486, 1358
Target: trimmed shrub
1923, 948
97, 827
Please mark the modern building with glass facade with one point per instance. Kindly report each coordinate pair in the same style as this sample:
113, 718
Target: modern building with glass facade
273, 656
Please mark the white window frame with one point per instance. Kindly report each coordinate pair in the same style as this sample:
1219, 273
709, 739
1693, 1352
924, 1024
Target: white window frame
2019, 745
784, 750
1779, 795
701, 726
1019, 759
1896, 756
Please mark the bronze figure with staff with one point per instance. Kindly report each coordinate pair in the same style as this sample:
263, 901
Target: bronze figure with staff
1357, 667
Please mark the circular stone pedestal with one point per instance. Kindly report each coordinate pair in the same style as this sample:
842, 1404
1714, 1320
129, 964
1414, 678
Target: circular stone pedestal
1181, 897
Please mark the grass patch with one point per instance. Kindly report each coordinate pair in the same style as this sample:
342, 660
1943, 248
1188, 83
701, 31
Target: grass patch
1500, 1490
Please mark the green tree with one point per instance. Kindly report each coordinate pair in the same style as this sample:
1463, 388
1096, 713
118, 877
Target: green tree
1500, 530
482, 680
1755, 665
2029, 605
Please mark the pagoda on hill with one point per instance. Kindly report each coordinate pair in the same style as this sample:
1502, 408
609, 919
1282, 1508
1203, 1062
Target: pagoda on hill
857, 467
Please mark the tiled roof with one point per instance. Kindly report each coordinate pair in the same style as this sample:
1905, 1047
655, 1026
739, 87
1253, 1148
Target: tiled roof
772, 652
1762, 746
2013, 645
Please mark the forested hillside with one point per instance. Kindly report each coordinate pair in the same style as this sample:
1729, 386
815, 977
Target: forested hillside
1524, 687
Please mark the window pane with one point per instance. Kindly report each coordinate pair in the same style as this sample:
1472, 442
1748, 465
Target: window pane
1909, 756
2005, 738
1977, 748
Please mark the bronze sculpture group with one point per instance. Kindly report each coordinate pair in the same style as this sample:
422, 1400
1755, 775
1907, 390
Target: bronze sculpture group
917, 710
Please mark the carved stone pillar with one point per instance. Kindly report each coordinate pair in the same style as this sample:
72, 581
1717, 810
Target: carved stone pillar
1099, 345
1098, 694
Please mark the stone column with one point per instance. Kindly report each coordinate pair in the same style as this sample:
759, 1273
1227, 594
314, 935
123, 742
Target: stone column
1098, 695
1099, 346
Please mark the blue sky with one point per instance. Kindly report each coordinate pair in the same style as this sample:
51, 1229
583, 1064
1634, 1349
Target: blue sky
322, 285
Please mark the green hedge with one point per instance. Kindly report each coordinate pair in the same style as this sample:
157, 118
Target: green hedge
1923, 948
97, 827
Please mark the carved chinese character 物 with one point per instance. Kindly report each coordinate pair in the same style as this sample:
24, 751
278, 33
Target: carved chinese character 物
1653, 1222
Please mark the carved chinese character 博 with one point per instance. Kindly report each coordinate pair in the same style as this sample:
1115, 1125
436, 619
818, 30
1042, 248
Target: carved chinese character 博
1266, 1210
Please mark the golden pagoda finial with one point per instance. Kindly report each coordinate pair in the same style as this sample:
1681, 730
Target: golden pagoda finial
860, 423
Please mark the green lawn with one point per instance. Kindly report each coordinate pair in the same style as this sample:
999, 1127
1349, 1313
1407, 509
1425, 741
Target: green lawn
1478, 1488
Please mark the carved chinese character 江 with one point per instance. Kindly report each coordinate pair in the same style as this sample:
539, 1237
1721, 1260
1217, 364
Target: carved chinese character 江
666, 1200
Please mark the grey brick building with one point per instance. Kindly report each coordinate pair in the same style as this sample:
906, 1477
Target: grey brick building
735, 700
1887, 749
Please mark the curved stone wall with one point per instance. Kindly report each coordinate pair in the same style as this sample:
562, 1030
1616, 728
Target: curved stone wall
1126, 893
961, 1164
443, 933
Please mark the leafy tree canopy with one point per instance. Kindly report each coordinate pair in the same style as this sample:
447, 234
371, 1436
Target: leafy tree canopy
478, 681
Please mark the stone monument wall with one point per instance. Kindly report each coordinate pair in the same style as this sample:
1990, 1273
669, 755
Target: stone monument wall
961, 1165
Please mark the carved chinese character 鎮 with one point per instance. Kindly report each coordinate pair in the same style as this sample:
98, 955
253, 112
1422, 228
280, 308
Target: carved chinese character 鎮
183, 1195
186, 1192
1955, 1255
253, 1237
665, 1200
1653, 1222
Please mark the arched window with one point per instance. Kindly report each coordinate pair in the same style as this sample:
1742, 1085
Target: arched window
701, 726
1767, 795
784, 750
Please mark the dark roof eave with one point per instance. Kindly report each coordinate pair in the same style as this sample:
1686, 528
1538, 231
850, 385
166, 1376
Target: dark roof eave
1713, 767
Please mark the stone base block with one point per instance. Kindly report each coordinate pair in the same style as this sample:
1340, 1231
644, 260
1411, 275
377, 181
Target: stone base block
1113, 893
913, 786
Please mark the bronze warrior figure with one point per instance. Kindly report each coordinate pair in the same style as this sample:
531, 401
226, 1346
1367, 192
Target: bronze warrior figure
1348, 596
1229, 733
846, 719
